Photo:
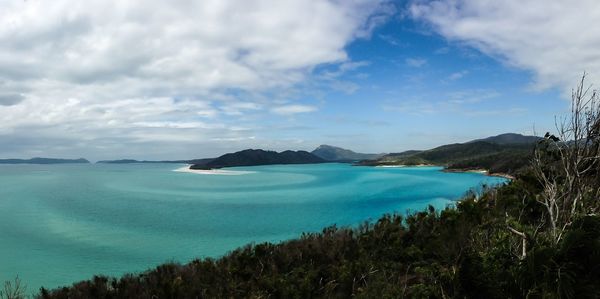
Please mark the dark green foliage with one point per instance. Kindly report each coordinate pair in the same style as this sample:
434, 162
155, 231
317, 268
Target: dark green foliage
510, 161
509, 158
569, 270
511, 138
252, 157
334, 153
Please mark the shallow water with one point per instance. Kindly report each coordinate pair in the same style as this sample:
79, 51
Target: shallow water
64, 223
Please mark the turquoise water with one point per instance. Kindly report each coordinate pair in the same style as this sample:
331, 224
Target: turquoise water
64, 223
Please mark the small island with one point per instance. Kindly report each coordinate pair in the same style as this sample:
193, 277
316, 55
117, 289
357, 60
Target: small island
256, 157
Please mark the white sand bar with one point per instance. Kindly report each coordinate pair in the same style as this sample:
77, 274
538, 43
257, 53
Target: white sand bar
402, 165
212, 171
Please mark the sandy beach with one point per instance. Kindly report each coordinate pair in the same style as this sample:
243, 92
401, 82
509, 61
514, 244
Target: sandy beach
211, 171
402, 165
482, 171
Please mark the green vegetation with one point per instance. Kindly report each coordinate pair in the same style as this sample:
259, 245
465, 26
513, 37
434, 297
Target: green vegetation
509, 162
251, 157
510, 138
13, 290
498, 154
338, 154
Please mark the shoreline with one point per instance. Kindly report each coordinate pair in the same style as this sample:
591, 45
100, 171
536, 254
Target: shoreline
457, 170
186, 169
482, 171
404, 165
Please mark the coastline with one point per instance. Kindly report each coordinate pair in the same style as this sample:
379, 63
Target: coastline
404, 165
457, 170
186, 169
482, 171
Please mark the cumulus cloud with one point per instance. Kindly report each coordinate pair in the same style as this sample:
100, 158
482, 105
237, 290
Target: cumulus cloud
464, 102
153, 69
556, 40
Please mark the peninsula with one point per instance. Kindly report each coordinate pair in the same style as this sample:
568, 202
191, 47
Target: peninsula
503, 154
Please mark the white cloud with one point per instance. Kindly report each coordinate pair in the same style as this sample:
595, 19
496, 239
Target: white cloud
413, 107
464, 102
342, 69
471, 96
293, 109
390, 39
556, 40
458, 75
238, 108
416, 62
150, 70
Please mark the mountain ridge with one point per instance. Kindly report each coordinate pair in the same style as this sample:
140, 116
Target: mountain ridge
338, 154
510, 138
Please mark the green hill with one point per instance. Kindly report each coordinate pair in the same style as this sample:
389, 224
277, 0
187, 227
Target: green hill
511, 138
334, 153
507, 153
254, 157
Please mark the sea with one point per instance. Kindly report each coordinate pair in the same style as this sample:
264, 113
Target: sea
64, 223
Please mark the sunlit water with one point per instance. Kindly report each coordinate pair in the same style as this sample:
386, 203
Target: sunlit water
64, 223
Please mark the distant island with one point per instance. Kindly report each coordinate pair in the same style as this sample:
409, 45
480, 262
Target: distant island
338, 154
255, 157
44, 161
502, 154
132, 161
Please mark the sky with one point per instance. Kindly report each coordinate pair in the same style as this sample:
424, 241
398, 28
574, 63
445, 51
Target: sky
191, 79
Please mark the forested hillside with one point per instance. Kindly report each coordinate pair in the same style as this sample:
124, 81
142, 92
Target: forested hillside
498, 154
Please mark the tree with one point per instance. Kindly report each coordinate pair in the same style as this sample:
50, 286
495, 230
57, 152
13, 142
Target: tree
13, 291
567, 165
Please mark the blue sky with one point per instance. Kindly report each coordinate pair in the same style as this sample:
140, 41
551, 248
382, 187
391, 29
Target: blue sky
184, 80
414, 89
